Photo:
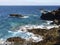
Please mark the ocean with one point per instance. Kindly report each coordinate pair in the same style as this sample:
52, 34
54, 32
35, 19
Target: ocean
9, 25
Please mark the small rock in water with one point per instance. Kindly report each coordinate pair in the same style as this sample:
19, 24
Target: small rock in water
16, 15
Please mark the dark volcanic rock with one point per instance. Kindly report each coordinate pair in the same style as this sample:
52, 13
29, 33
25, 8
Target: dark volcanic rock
16, 41
16, 15
55, 14
47, 16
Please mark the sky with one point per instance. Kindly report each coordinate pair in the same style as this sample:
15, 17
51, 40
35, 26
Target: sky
29, 2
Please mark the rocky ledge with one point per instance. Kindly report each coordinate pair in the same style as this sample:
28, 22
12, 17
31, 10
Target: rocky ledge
51, 36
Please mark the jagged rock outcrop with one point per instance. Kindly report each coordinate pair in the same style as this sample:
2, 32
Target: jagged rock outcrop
53, 15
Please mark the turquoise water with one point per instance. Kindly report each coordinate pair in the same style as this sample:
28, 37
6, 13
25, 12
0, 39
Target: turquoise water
8, 23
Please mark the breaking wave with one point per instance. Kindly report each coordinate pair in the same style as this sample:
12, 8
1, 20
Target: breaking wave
25, 17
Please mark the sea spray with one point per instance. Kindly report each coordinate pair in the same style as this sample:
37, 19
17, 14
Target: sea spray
39, 26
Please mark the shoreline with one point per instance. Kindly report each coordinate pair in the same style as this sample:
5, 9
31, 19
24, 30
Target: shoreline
45, 33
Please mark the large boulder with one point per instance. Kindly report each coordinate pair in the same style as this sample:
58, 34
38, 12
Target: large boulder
15, 41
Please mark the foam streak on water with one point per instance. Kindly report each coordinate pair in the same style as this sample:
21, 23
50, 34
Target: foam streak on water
25, 17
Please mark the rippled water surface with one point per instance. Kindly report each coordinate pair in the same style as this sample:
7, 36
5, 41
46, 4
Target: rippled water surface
32, 17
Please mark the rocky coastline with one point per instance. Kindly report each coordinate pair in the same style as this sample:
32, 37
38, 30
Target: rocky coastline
50, 37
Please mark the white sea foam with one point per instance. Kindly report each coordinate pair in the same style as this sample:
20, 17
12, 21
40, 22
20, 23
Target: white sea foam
2, 41
48, 22
35, 15
27, 35
38, 26
37, 39
25, 17
10, 31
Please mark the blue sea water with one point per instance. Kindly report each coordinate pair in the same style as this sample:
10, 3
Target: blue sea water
12, 23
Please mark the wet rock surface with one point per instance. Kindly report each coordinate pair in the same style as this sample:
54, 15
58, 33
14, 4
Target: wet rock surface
51, 37
16, 41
